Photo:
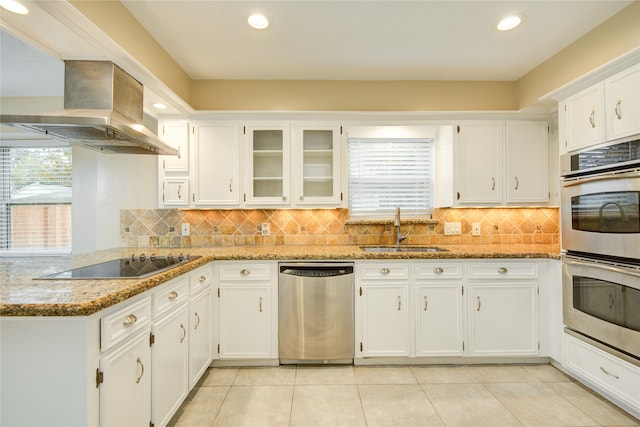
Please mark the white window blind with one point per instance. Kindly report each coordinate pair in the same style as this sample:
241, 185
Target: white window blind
35, 200
388, 172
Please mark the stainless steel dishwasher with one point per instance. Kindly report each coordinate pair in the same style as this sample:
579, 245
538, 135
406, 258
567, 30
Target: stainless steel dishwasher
315, 312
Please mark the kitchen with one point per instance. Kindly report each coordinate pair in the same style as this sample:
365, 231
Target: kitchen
133, 219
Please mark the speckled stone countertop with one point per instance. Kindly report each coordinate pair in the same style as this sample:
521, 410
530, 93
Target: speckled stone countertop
22, 294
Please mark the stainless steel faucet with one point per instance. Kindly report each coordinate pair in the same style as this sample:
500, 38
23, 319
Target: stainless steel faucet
396, 223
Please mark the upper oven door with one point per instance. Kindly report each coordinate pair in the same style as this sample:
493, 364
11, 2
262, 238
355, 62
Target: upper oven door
601, 214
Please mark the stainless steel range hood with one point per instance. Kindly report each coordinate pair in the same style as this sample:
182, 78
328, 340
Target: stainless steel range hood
102, 110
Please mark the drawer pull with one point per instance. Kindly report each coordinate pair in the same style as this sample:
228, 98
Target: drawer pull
245, 272
173, 295
438, 270
385, 271
197, 320
503, 270
184, 333
129, 320
479, 304
609, 373
139, 362
202, 278
426, 303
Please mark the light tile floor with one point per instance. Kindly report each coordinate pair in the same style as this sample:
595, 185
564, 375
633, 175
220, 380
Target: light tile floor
449, 396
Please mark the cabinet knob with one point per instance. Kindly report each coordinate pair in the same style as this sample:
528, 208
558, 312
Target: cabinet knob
385, 271
502, 270
245, 272
438, 270
129, 320
202, 278
173, 295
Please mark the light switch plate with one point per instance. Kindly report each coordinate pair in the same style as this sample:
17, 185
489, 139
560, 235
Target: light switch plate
452, 228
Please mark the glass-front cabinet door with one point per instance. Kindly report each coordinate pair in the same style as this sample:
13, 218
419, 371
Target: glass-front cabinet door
316, 170
268, 158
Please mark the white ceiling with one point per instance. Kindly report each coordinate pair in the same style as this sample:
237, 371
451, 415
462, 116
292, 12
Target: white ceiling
366, 40
359, 40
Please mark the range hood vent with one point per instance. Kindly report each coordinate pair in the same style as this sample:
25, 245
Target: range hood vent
103, 110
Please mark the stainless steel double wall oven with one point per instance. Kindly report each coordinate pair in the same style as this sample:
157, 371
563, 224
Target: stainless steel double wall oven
600, 217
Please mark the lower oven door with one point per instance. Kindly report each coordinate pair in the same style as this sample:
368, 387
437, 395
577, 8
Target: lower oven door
601, 300
601, 214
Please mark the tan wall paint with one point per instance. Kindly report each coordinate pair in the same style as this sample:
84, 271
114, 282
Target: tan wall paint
616, 36
116, 21
298, 95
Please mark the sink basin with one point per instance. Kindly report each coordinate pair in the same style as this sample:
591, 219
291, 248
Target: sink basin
402, 249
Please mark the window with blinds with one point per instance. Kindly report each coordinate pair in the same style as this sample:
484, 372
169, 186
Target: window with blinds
388, 172
35, 200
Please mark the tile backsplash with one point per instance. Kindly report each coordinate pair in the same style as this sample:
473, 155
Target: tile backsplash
162, 227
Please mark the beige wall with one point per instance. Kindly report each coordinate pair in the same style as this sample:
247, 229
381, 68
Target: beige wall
616, 36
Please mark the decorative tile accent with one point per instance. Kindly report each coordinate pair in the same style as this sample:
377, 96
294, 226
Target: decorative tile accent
209, 228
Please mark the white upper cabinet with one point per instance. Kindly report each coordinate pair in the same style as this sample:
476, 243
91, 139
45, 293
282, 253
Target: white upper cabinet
480, 162
217, 165
268, 160
622, 101
527, 177
316, 165
605, 111
502, 162
175, 134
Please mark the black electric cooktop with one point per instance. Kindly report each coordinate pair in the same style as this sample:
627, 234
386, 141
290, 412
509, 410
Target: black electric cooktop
135, 267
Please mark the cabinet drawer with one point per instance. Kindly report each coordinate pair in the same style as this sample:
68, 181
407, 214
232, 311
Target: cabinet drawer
200, 279
606, 371
503, 270
385, 271
245, 272
171, 295
123, 323
439, 270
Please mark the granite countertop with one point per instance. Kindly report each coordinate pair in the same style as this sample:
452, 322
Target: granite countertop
22, 295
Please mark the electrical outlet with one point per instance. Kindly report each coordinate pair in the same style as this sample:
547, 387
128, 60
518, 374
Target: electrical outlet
451, 228
186, 229
266, 229
475, 229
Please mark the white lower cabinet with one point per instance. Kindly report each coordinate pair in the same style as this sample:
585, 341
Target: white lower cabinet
199, 336
247, 318
125, 394
611, 376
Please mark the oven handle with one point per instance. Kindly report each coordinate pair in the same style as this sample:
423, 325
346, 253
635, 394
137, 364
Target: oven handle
569, 182
601, 266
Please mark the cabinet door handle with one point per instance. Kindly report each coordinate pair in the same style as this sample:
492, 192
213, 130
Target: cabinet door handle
517, 183
399, 303
479, 304
260, 305
493, 183
438, 270
231, 186
139, 362
385, 271
592, 118
179, 192
184, 333
245, 272
609, 373
129, 320
179, 152
173, 295
197, 320
618, 109
503, 270
426, 303
202, 278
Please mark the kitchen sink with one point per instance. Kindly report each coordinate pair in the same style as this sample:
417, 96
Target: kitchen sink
402, 249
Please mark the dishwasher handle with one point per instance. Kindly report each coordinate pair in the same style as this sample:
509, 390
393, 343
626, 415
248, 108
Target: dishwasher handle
310, 270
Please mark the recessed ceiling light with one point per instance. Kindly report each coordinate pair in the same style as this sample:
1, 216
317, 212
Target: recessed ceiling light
509, 23
258, 21
14, 6
159, 106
